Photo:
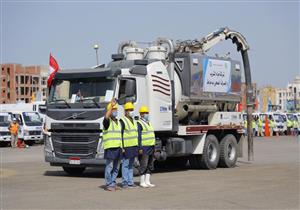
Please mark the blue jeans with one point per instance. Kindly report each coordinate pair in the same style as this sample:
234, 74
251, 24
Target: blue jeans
127, 171
111, 172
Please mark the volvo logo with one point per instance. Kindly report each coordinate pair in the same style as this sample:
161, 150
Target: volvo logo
74, 115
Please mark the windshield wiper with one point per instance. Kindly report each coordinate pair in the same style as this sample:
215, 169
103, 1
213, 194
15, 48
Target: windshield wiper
91, 99
56, 100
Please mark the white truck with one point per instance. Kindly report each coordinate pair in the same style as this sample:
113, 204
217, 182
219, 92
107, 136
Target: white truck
278, 120
191, 97
31, 126
5, 120
37, 106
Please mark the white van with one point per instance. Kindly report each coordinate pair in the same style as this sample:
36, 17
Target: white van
277, 118
5, 120
31, 126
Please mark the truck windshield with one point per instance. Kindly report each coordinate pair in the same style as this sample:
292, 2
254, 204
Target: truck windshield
290, 116
278, 118
5, 119
32, 119
81, 90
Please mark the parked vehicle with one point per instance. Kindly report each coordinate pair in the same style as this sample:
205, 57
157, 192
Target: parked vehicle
30, 129
5, 120
192, 98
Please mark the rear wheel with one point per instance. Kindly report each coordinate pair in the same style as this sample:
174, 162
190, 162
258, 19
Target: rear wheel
228, 151
74, 171
210, 156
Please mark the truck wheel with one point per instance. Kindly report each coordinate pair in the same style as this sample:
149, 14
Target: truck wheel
228, 151
74, 171
210, 157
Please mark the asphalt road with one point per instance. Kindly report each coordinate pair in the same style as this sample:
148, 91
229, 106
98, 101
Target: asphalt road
270, 182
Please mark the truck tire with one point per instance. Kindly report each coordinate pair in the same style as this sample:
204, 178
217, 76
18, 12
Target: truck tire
74, 171
228, 151
210, 156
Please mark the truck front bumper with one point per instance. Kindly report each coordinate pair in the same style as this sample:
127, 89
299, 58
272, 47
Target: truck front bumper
36, 137
55, 161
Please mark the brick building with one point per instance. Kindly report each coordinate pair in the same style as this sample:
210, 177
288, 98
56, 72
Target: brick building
19, 83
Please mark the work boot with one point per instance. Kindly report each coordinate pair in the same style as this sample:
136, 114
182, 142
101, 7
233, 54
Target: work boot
142, 181
147, 181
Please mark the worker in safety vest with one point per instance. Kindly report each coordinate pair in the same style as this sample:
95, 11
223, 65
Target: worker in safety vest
272, 126
14, 129
289, 126
130, 145
112, 144
295, 127
146, 139
245, 126
254, 126
260, 127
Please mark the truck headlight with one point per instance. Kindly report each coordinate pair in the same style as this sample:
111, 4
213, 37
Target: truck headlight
26, 133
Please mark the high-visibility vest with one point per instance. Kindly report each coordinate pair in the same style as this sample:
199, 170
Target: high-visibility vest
296, 124
245, 124
14, 127
112, 137
260, 123
289, 123
272, 124
148, 136
130, 135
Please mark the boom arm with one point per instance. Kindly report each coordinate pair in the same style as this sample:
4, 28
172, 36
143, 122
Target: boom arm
205, 44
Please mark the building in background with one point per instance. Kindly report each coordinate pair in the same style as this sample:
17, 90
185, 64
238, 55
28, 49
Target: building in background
289, 98
22, 83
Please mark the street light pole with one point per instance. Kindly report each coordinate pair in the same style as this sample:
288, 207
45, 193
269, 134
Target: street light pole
96, 47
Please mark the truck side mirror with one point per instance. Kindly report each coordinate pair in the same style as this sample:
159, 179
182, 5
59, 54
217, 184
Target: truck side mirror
130, 88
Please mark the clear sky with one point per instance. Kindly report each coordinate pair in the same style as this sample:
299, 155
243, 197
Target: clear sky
30, 30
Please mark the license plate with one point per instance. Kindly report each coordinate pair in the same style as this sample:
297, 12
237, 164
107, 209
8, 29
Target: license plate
74, 161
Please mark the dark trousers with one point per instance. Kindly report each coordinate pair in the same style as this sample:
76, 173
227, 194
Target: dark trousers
146, 164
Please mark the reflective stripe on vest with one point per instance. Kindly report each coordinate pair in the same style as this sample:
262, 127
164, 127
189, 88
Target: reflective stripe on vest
130, 135
112, 137
260, 123
148, 137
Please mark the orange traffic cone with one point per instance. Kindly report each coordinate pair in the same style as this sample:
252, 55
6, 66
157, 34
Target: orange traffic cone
267, 128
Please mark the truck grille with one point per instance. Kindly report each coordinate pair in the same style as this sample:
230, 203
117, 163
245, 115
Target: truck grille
4, 133
81, 144
35, 133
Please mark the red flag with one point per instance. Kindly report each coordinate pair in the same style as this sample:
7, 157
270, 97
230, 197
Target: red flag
53, 68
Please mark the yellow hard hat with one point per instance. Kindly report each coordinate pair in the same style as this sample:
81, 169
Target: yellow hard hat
144, 109
109, 106
128, 105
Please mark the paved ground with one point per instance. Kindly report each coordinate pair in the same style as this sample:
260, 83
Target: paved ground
271, 182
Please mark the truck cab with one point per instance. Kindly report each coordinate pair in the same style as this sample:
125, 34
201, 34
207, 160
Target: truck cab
30, 129
5, 120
